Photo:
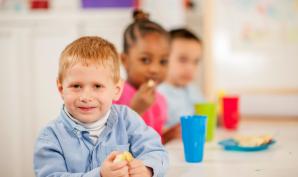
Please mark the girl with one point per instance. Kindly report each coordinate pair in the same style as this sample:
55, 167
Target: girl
145, 58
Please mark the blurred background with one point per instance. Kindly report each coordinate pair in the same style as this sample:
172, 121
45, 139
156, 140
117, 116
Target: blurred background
250, 50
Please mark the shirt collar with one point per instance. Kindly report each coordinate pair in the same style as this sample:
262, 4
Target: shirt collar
75, 127
89, 126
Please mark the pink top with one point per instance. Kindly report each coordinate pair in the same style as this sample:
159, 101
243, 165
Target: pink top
155, 116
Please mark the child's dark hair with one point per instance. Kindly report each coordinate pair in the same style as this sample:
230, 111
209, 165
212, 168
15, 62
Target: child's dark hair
184, 34
139, 28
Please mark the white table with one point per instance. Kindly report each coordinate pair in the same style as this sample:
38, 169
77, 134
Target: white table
281, 159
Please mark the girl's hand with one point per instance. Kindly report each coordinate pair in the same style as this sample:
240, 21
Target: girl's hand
114, 169
138, 169
171, 133
143, 98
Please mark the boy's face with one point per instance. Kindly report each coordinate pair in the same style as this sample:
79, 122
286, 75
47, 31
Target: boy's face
183, 62
147, 60
88, 91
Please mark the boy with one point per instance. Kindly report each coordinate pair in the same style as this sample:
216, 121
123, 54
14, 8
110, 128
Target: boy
90, 132
186, 52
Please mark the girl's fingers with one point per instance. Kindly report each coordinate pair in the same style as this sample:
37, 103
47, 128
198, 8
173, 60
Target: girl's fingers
148, 86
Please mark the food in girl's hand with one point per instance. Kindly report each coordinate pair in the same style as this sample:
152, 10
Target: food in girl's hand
151, 83
123, 156
251, 141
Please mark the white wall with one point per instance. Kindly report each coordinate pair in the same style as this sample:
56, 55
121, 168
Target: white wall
253, 49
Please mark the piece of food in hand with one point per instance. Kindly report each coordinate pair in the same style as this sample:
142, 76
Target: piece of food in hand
151, 83
251, 141
123, 156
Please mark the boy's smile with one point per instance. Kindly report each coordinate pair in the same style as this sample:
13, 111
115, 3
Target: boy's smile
88, 91
87, 109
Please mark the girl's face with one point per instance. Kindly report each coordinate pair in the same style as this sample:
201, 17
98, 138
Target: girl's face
147, 59
183, 61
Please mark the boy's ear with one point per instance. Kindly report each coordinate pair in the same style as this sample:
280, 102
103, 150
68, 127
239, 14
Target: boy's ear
60, 87
124, 60
118, 90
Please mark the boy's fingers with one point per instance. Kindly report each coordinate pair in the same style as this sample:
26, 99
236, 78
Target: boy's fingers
135, 163
119, 165
135, 171
120, 172
112, 155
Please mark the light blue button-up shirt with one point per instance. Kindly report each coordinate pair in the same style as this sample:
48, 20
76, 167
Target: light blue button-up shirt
180, 101
64, 148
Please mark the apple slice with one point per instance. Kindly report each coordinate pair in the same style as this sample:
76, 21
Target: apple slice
151, 83
123, 156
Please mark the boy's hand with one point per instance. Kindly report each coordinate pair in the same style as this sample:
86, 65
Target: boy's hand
138, 169
114, 169
143, 98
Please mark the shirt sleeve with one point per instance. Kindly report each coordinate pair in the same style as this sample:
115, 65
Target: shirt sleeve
49, 160
146, 144
173, 107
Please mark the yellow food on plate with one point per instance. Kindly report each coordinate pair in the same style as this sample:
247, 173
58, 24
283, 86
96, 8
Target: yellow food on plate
123, 156
251, 141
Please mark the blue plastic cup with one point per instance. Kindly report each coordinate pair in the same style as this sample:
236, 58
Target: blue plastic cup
193, 137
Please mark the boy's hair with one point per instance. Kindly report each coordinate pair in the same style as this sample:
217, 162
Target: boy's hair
139, 28
87, 51
182, 33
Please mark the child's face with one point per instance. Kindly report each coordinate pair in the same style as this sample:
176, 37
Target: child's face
183, 61
88, 91
147, 60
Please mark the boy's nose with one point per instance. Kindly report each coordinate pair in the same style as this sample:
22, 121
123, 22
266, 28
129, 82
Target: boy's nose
190, 67
86, 96
85, 99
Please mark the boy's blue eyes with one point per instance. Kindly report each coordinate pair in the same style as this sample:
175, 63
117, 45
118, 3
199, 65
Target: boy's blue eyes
77, 86
98, 86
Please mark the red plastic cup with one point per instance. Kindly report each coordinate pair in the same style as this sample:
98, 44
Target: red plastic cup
39, 4
230, 112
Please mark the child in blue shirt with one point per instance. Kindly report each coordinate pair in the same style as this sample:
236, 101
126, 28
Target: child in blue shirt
90, 132
180, 94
